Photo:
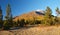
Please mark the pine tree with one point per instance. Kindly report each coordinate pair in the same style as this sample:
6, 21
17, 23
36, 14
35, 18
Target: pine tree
48, 17
8, 17
57, 11
57, 19
18, 23
22, 22
8, 12
1, 18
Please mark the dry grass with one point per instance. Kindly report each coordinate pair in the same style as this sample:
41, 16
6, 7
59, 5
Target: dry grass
29, 16
50, 30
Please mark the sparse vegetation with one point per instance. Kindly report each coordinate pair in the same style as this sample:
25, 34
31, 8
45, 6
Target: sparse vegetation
8, 23
29, 17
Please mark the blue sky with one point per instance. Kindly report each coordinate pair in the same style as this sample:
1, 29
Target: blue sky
19, 7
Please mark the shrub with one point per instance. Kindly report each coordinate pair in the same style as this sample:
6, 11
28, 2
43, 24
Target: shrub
22, 22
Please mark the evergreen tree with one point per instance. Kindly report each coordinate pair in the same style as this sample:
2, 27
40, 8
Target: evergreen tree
57, 11
26, 22
48, 17
22, 22
8, 17
1, 18
57, 19
18, 23
11, 20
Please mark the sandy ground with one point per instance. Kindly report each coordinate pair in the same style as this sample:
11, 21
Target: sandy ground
50, 30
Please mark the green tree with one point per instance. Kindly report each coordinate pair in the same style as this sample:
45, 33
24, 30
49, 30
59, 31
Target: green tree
57, 11
1, 18
37, 21
22, 22
48, 16
57, 18
6, 25
9, 21
26, 22
18, 23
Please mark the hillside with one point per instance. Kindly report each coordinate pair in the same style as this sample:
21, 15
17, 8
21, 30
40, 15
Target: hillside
38, 15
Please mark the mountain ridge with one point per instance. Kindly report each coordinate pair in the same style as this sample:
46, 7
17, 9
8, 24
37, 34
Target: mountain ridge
30, 15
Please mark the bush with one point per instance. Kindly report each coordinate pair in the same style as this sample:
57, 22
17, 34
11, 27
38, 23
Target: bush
38, 22
6, 25
1, 24
22, 22
26, 22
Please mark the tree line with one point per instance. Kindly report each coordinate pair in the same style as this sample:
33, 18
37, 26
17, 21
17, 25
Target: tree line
8, 22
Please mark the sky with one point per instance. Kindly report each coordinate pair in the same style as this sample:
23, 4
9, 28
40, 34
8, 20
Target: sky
19, 7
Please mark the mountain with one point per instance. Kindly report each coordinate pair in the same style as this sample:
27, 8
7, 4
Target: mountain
38, 15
